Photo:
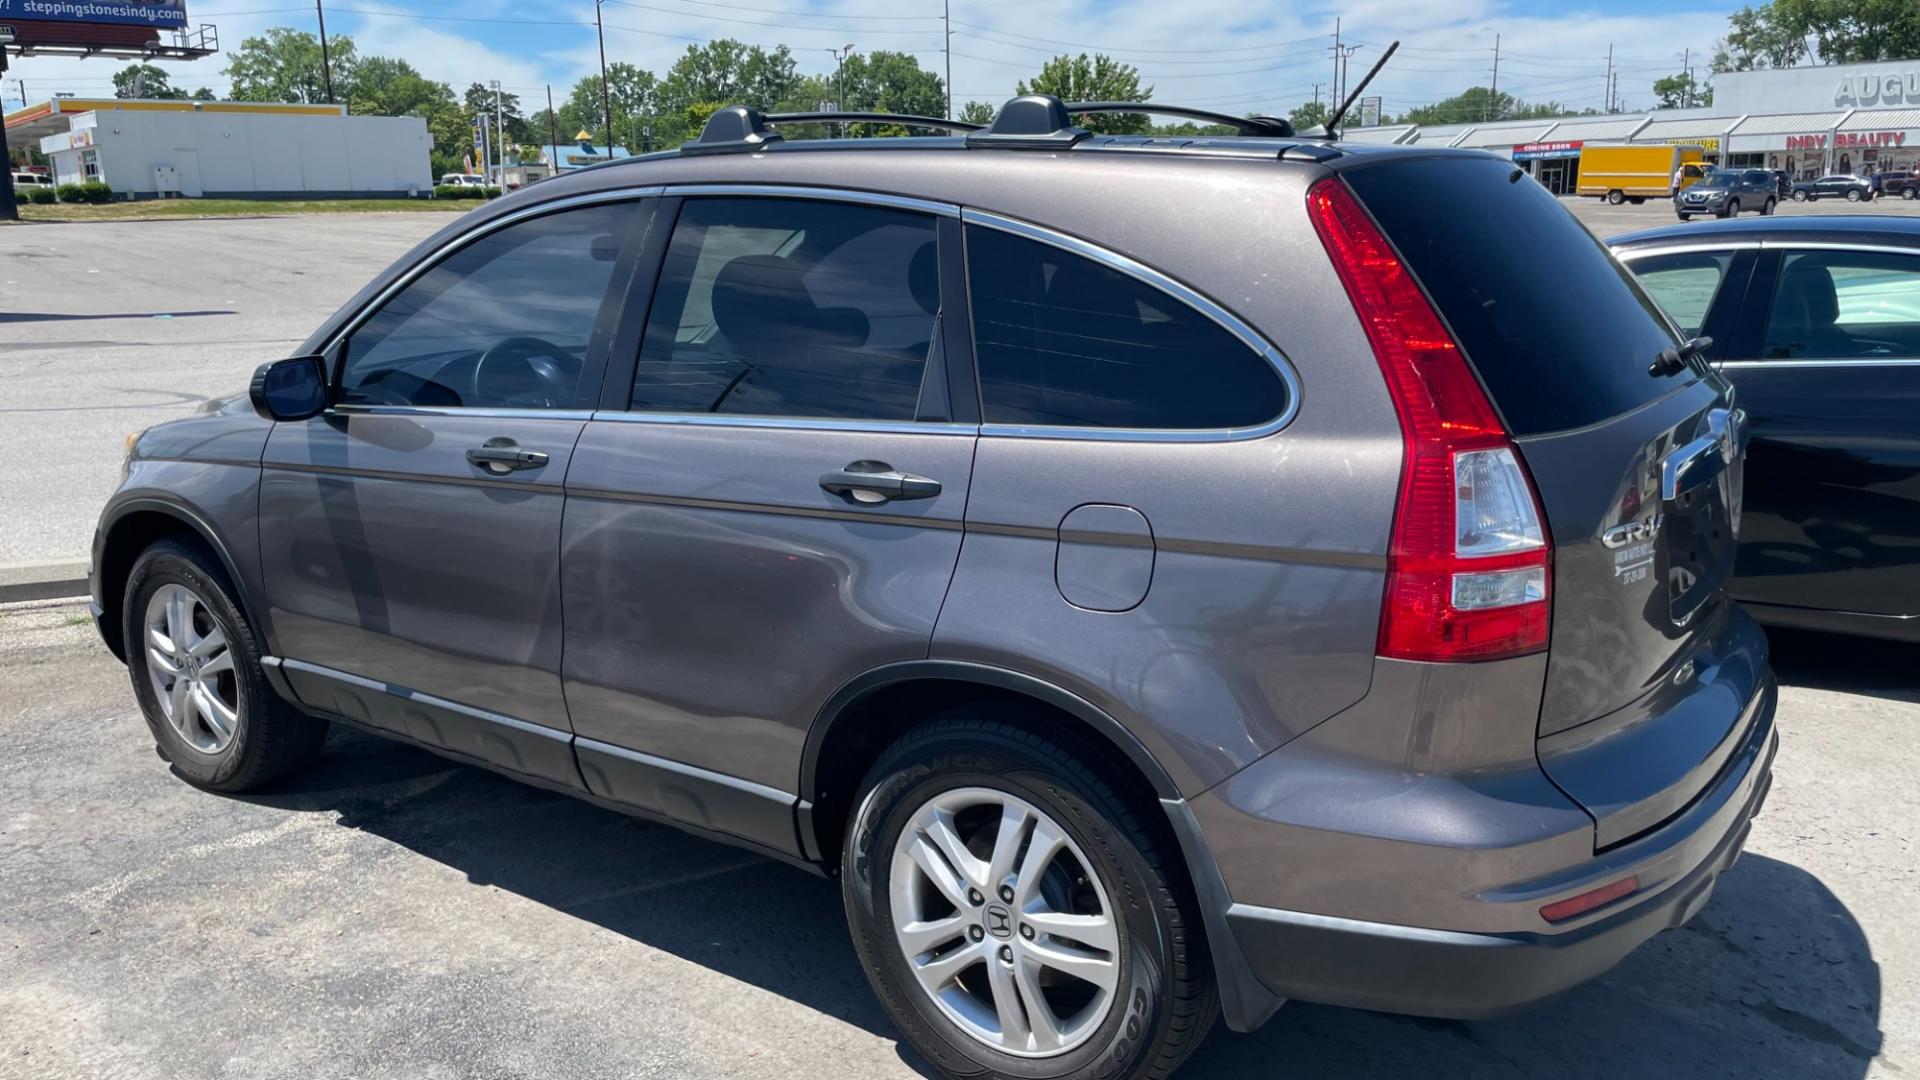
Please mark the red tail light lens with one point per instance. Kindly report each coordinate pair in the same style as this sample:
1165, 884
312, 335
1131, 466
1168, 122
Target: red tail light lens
1468, 569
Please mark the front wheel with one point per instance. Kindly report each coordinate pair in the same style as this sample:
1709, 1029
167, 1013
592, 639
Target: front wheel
1685, 217
1909, 193
1014, 913
1732, 210
1800, 196
1766, 208
1615, 198
1853, 194
196, 673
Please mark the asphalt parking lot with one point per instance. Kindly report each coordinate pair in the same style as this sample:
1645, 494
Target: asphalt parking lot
392, 914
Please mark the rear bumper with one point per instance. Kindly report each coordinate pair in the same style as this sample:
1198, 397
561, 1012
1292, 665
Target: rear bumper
1471, 975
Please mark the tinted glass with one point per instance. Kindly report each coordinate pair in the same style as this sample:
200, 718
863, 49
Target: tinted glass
778, 307
1684, 284
1064, 341
504, 322
1559, 332
1845, 305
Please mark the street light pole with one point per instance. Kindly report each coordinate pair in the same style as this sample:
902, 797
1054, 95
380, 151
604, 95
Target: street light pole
500, 129
326, 59
606, 92
946, 13
840, 83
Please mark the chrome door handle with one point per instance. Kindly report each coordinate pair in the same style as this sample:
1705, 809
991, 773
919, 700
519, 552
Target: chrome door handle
1687, 467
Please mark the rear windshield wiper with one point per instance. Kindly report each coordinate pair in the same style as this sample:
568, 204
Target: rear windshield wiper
1672, 361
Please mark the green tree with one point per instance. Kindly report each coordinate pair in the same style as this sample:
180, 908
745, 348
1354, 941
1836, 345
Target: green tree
145, 81
1679, 91
1784, 32
890, 82
285, 65
722, 73
1094, 78
385, 86
479, 102
978, 112
1480, 103
634, 96
1309, 114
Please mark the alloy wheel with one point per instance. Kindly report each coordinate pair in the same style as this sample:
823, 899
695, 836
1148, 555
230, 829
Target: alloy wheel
190, 664
1004, 923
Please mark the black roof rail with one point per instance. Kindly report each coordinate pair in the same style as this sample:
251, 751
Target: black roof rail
1260, 126
742, 127
1033, 122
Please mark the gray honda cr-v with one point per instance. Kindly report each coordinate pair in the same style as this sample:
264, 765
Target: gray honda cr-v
1156, 577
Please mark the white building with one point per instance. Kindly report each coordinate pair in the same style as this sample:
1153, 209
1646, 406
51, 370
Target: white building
149, 149
1807, 121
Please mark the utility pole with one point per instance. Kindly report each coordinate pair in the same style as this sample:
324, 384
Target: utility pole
1609, 85
606, 91
946, 13
1494, 94
500, 129
326, 59
840, 82
486, 155
1686, 88
553, 135
1335, 87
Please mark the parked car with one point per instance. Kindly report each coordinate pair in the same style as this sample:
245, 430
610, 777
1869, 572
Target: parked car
463, 180
1850, 188
650, 484
31, 179
1904, 184
1817, 323
1726, 192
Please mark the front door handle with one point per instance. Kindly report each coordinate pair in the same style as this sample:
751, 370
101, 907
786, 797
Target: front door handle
877, 482
502, 456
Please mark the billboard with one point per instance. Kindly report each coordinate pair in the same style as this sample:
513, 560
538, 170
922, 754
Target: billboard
167, 14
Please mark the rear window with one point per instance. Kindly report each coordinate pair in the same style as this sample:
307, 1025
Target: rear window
1559, 332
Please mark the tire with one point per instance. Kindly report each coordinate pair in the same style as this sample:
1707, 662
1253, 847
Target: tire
1766, 208
1732, 210
237, 732
1636, 199
1615, 198
1685, 217
1909, 193
1801, 196
1853, 194
1162, 999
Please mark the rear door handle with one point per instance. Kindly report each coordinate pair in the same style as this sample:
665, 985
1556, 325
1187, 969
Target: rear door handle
878, 482
502, 456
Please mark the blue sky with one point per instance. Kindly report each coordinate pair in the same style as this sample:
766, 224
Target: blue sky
1204, 52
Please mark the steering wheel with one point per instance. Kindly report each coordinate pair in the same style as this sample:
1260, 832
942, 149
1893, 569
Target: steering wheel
524, 371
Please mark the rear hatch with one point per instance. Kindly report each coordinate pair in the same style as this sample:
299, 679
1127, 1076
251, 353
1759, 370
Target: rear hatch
1639, 475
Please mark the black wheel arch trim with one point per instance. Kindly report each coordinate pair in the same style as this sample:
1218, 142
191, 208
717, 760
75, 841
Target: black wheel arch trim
880, 678
195, 522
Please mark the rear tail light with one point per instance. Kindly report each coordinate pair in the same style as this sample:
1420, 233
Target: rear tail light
1468, 567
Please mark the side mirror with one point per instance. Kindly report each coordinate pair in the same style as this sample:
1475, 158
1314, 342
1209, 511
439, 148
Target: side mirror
292, 389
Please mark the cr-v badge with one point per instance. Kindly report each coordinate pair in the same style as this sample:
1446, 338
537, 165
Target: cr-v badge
1632, 545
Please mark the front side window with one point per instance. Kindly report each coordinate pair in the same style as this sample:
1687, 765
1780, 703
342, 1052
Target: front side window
792, 308
1845, 305
1064, 341
1684, 284
504, 322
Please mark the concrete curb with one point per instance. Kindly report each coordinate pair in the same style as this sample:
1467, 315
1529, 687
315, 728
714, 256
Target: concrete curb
42, 581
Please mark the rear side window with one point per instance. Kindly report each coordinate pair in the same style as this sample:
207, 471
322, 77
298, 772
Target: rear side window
1559, 332
794, 308
1845, 305
1684, 283
1064, 341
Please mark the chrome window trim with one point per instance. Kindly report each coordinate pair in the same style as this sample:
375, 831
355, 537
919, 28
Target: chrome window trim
1814, 361
1630, 254
821, 194
1227, 320
483, 411
1813, 245
789, 423
454, 243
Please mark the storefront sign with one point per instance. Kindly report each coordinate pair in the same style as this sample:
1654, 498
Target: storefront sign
157, 13
1887, 88
1870, 138
1806, 142
1710, 144
1541, 150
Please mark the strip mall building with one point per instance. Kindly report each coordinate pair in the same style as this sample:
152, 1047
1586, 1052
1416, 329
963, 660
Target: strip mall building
1809, 121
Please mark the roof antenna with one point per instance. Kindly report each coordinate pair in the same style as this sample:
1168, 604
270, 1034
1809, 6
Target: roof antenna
1326, 130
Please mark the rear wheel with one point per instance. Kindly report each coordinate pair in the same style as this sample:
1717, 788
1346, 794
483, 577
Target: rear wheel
1615, 198
1685, 217
1909, 193
1732, 210
196, 672
1636, 199
1015, 915
1853, 194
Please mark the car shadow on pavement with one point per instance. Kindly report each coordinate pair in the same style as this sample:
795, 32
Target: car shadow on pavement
1855, 665
1773, 978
